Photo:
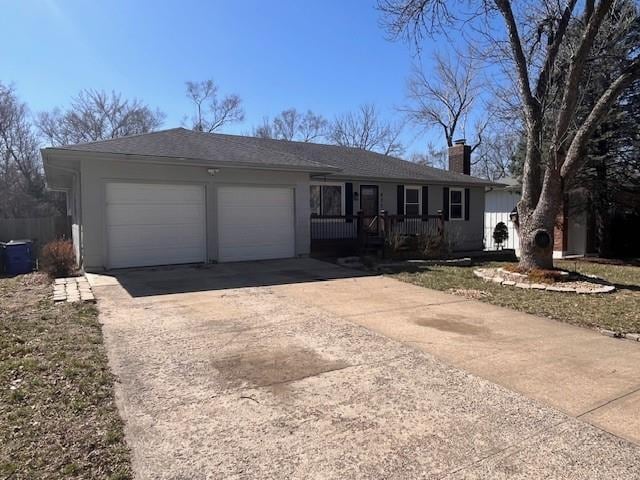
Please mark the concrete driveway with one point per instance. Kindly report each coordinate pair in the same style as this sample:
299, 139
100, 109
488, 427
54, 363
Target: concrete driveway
260, 370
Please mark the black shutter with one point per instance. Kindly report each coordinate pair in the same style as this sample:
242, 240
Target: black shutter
466, 203
425, 202
348, 201
400, 208
445, 202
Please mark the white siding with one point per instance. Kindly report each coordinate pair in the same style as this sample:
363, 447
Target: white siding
498, 206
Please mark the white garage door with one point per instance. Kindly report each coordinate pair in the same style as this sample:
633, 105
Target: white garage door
255, 223
153, 224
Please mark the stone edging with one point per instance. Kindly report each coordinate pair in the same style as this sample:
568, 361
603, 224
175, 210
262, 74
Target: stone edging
72, 289
634, 337
488, 274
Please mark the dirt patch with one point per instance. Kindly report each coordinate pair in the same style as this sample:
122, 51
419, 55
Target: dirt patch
452, 323
274, 366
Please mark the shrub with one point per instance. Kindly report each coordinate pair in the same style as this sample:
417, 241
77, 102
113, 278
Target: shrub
500, 234
58, 258
429, 245
394, 243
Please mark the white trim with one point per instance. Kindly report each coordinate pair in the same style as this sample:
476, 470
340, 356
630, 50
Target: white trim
331, 184
413, 187
461, 190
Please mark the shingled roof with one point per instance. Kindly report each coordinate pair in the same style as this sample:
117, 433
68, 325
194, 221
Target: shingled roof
333, 160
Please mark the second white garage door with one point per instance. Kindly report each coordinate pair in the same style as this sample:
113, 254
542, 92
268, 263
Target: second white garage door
255, 223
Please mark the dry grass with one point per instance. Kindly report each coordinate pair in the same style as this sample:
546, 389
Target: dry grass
57, 413
619, 311
537, 275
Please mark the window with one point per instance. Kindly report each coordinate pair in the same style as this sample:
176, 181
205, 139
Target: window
326, 200
456, 204
412, 201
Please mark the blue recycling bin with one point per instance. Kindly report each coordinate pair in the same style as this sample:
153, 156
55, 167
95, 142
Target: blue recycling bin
18, 257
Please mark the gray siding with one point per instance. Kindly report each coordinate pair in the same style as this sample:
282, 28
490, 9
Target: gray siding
462, 234
95, 174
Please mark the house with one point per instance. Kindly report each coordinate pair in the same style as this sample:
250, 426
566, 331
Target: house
575, 232
179, 196
570, 233
499, 202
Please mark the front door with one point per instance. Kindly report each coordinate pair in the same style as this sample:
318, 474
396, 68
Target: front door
369, 207
369, 200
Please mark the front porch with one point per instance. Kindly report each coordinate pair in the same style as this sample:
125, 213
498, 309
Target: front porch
339, 235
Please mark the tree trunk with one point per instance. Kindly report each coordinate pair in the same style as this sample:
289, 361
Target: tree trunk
536, 227
601, 211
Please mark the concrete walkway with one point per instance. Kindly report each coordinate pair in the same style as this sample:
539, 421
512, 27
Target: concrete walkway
274, 378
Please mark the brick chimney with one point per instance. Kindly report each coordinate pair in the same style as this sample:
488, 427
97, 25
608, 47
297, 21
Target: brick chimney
460, 157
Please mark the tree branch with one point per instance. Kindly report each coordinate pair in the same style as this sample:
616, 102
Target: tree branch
576, 68
552, 53
575, 154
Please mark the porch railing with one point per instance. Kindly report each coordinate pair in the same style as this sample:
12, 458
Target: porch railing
360, 229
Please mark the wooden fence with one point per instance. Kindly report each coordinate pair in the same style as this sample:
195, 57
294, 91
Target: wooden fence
40, 229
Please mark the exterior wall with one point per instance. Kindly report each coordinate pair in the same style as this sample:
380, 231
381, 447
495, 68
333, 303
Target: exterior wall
499, 204
96, 174
466, 234
463, 234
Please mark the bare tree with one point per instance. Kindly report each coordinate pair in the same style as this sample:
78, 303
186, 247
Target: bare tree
21, 176
211, 113
528, 42
265, 130
293, 125
494, 156
365, 129
445, 97
432, 157
97, 115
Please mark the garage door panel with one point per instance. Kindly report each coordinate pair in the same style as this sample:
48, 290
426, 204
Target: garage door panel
139, 193
146, 257
147, 214
255, 223
153, 224
246, 196
154, 236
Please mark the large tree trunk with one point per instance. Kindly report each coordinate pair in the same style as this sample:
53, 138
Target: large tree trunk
536, 227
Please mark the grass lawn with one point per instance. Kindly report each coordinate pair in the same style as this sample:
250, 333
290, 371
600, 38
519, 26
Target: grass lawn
619, 311
58, 418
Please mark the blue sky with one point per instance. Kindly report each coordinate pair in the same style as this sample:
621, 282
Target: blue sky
328, 56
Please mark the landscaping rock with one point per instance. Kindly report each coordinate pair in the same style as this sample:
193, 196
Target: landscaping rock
633, 336
559, 288
567, 284
610, 333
